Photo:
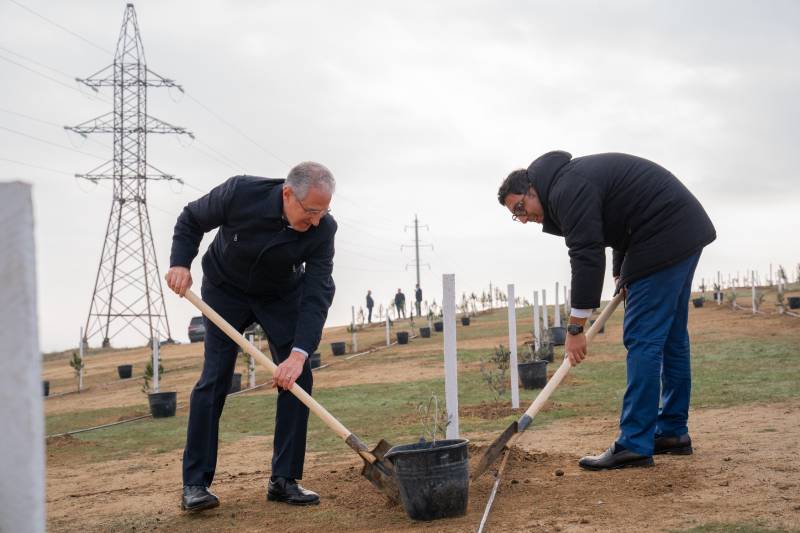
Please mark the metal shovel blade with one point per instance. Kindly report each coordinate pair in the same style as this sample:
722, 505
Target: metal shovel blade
381, 473
495, 450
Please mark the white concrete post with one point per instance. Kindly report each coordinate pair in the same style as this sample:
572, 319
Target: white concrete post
22, 459
512, 346
556, 310
388, 338
353, 327
450, 354
83, 363
544, 310
156, 357
537, 332
755, 306
251, 367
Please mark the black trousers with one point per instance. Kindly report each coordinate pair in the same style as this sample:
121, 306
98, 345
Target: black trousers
369, 315
208, 396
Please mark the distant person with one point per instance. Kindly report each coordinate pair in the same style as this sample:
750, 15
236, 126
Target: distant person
370, 305
418, 298
271, 261
657, 230
400, 303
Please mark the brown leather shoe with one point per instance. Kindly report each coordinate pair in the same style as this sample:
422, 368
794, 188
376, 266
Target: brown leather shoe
673, 445
610, 459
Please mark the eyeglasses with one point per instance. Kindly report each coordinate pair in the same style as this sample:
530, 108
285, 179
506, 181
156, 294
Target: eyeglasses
312, 212
519, 209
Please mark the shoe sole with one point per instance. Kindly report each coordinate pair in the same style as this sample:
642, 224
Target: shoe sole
641, 463
198, 508
686, 450
272, 498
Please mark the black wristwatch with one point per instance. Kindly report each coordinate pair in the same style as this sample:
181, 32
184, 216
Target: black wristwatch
574, 329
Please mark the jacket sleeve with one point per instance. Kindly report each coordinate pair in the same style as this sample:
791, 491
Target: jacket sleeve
579, 208
318, 291
197, 218
618, 258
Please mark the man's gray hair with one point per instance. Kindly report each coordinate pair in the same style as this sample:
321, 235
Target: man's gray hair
309, 174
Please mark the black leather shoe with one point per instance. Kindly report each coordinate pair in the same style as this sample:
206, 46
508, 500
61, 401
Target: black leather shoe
673, 445
610, 459
287, 490
198, 498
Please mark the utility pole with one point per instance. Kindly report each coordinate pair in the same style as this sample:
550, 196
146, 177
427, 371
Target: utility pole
127, 290
416, 247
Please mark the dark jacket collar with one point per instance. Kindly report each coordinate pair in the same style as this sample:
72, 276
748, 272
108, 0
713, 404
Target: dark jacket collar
542, 174
273, 207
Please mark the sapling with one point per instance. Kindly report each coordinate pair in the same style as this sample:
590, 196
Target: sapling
77, 364
433, 421
148, 376
530, 354
732, 298
494, 371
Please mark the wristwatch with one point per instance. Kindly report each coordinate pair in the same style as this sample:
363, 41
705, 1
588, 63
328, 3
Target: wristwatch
574, 329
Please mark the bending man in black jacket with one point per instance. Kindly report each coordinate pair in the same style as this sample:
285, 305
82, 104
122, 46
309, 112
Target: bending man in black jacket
271, 261
657, 230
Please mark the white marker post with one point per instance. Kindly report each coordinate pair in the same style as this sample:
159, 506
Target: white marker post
353, 328
22, 485
556, 310
536, 327
544, 311
251, 367
450, 354
156, 356
388, 338
512, 346
83, 363
755, 306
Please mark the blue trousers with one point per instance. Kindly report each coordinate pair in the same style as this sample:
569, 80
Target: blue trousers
658, 364
209, 394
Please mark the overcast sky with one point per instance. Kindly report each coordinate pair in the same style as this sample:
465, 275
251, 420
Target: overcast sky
418, 108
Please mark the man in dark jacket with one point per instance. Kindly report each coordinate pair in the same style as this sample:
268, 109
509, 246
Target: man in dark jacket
370, 305
270, 262
657, 230
400, 303
418, 300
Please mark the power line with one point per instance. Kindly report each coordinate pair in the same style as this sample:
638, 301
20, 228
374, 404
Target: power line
59, 26
39, 139
43, 75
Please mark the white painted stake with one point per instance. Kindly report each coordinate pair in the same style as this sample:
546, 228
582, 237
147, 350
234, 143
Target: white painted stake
536, 327
755, 307
512, 346
83, 363
544, 310
556, 310
251, 367
156, 357
22, 461
388, 339
353, 327
450, 354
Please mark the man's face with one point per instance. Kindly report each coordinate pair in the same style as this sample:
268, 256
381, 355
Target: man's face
525, 207
302, 214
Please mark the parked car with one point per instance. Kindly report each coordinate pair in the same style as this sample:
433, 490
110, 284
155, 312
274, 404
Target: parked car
197, 329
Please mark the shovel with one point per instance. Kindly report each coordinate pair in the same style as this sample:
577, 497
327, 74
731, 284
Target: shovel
377, 469
495, 450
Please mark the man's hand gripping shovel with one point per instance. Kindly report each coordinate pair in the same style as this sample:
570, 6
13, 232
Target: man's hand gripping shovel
377, 469
495, 450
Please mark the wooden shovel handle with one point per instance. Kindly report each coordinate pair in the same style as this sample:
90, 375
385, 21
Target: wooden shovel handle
559, 375
248, 347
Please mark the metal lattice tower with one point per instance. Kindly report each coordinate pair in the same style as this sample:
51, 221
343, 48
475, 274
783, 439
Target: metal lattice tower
127, 290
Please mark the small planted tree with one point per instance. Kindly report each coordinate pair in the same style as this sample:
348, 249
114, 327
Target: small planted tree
77, 365
732, 298
494, 371
147, 379
433, 419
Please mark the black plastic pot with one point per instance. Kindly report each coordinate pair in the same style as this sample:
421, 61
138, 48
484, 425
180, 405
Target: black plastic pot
236, 383
558, 335
438, 326
698, 302
533, 375
402, 337
46, 387
125, 371
315, 359
338, 348
433, 478
162, 404
425, 332
602, 330
465, 321
794, 302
